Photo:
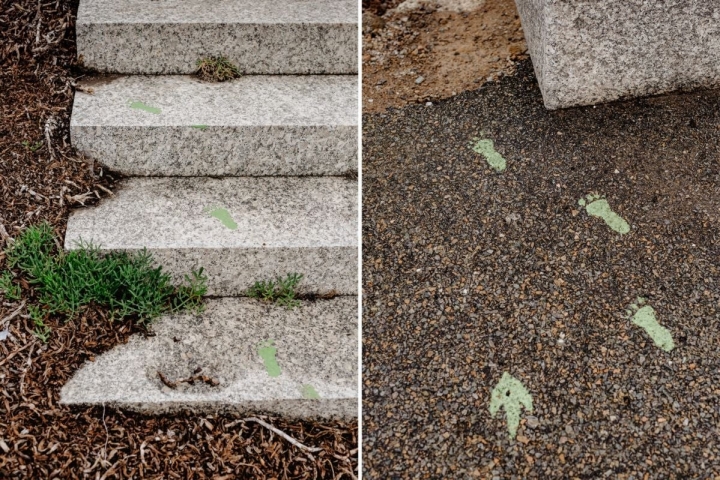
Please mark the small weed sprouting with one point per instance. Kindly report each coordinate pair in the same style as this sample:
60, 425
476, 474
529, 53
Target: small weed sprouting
33, 147
127, 283
10, 290
217, 69
41, 330
281, 291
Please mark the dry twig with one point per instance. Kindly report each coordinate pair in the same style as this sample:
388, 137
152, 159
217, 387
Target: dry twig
277, 431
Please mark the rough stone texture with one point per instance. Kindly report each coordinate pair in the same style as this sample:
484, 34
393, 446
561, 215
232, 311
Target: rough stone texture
283, 225
255, 125
316, 345
591, 52
169, 36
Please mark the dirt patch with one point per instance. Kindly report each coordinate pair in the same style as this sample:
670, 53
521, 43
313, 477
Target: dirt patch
431, 53
41, 178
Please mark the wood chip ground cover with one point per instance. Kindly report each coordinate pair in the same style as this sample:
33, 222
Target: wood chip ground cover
41, 178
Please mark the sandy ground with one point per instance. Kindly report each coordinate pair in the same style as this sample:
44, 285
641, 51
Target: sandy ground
419, 52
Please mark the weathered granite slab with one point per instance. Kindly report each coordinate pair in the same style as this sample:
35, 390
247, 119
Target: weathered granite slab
587, 52
251, 126
240, 230
314, 373
263, 37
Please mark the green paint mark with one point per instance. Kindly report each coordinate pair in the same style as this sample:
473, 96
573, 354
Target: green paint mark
142, 106
200, 127
599, 207
267, 352
644, 317
512, 395
486, 149
222, 215
308, 391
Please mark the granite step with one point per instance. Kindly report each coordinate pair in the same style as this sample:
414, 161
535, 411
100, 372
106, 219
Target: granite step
240, 230
253, 356
251, 126
260, 37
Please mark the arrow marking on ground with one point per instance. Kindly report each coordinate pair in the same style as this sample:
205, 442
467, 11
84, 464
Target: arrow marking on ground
512, 395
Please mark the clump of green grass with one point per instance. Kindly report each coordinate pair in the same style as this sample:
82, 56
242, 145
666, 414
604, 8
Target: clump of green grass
126, 283
10, 290
41, 330
33, 147
281, 291
217, 69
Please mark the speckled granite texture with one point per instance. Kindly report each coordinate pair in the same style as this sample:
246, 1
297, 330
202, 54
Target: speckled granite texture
316, 345
588, 52
264, 37
252, 126
240, 230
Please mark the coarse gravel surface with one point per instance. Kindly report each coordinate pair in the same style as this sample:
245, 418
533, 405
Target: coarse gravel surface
469, 273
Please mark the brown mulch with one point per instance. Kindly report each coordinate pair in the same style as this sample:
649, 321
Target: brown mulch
41, 178
41, 175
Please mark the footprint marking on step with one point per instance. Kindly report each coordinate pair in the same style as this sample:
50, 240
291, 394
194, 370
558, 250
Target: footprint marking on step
223, 215
309, 392
142, 106
267, 352
644, 317
597, 206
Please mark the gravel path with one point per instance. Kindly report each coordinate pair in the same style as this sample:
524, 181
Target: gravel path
469, 273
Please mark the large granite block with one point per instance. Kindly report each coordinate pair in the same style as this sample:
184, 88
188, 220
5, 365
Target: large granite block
260, 37
240, 230
587, 52
177, 125
254, 357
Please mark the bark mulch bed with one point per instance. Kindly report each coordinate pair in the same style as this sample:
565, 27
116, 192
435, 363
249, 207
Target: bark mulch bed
41, 178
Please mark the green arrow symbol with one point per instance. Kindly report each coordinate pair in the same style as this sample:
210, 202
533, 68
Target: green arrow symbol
512, 395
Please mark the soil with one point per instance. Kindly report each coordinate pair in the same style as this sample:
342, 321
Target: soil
469, 274
41, 178
430, 53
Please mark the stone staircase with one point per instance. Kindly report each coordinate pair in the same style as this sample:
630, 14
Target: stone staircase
250, 179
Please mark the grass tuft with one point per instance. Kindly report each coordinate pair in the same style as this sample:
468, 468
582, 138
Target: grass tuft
10, 290
126, 283
37, 316
217, 69
281, 291
33, 147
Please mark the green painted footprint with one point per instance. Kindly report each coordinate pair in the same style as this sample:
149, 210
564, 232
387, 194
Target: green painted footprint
267, 352
223, 215
485, 148
309, 392
142, 106
597, 206
644, 317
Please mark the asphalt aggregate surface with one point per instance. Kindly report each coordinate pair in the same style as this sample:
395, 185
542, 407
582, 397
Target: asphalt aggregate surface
470, 273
